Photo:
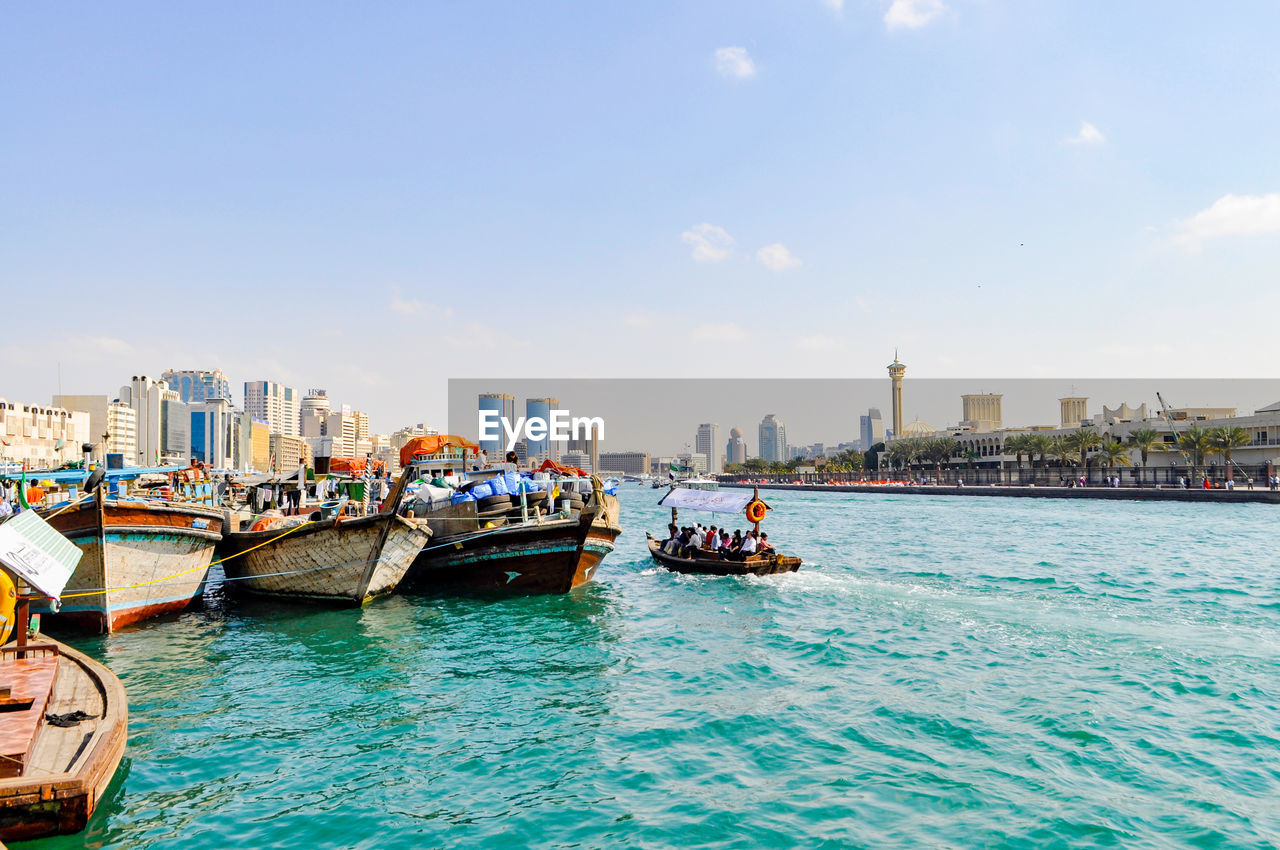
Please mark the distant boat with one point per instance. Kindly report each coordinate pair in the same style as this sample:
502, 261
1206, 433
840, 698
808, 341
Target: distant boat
142, 558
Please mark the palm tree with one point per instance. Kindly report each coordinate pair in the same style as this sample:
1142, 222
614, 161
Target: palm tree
1112, 453
939, 450
1082, 441
1018, 445
1225, 440
1196, 444
899, 452
1146, 441
1060, 450
1040, 444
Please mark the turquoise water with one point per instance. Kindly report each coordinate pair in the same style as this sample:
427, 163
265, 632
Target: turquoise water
941, 672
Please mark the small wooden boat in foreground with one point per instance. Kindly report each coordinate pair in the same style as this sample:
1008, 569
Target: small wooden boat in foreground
150, 558
706, 561
343, 560
52, 776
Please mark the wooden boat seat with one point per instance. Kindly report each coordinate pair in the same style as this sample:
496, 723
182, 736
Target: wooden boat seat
29, 678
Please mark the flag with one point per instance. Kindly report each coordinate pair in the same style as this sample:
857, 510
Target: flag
671, 473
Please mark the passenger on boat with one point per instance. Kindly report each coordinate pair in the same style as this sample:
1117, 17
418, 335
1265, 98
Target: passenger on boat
671, 544
713, 538
765, 545
731, 548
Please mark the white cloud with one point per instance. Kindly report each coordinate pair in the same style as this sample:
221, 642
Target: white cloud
638, 320
819, 344
1232, 215
777, 258
719, 332
711, 244
734, 62
110, 344
406, 306
834, 5
912, 14
1088, 135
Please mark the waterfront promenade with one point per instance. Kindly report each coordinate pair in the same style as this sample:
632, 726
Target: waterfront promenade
1142, 494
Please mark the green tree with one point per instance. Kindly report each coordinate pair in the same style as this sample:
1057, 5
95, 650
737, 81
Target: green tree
1225, 440
1042, 445
1112, 453
1196, 445
1146, 441
939, 450
1019, 445
1081, 442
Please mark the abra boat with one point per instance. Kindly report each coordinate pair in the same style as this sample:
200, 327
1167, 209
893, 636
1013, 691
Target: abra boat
142, 558
707, 562
342, 560
54, 776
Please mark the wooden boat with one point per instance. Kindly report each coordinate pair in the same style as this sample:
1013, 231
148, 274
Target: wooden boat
706, 562
343, 560
151, 556
709, 563
605, 528
53, 777
543, 555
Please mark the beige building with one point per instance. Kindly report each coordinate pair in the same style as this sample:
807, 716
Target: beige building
625, 463
42, 437
113, 425
260, 445
981, 411
1073, 411
287, 452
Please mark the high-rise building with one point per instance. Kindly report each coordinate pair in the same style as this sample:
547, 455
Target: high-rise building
314, 403
504, 406
212, 432
541, 408
872, 427
773, 439
194, 385
735, 451
581, 460
707, 443
274, 404
147, 397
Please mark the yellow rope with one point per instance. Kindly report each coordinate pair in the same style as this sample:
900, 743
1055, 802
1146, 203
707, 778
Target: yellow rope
106, 590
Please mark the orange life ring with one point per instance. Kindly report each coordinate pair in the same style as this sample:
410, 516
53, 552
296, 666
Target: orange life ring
755, 511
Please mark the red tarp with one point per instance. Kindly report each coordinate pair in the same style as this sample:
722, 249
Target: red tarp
432, 444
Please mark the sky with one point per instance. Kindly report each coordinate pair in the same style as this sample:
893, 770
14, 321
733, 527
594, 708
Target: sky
376, 198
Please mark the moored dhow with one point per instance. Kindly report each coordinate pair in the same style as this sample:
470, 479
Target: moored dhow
142, 558
543, 555
342, 560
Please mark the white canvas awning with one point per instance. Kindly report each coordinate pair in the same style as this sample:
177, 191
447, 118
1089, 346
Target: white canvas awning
715, 501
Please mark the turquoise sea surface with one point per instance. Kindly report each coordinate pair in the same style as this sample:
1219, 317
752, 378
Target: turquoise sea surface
941, 672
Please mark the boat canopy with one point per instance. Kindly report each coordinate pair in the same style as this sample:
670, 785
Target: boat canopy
715, 501
431, 444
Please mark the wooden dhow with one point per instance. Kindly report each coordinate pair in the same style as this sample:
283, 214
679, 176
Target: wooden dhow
341, 560
141, 559
542, 555
54, 776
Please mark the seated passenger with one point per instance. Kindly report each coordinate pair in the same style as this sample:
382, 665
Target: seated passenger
765, 545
